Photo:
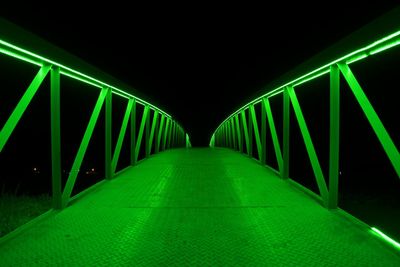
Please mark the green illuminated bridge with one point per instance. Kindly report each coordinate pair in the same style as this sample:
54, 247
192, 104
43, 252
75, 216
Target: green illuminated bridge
224, 205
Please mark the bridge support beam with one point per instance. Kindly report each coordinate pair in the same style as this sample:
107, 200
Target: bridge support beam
286, 129
319, 176
55, 137
274, 135
108, 135
373, 118
263, 158
133, 134
334, 136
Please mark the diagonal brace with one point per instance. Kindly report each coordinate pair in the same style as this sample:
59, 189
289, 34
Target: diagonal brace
19, 110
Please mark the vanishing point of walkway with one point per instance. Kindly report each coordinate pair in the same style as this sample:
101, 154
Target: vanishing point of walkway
196, 207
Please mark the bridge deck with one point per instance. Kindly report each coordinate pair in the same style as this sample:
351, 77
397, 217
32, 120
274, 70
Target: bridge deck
196, 207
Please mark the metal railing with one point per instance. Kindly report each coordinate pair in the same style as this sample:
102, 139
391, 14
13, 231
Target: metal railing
159, 129
238, 131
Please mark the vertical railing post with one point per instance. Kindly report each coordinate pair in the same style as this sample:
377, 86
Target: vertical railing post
263, 135
286, 129
245, 131
169, 143
250, 129
147, 135
165, 138
108, 133
228, 131
133, 134
334, 136
55, 137
239, 133
156, 133
234, 137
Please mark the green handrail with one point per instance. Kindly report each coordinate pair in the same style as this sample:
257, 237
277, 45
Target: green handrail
247, 125
153, 133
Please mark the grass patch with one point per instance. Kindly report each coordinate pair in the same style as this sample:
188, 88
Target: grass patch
18, 210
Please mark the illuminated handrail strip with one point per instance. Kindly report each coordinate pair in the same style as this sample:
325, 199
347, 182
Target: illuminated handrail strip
27, 56
62, 197
378, 46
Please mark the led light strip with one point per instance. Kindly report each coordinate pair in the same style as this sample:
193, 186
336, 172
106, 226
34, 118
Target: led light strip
69, 72
352, 57
386, 238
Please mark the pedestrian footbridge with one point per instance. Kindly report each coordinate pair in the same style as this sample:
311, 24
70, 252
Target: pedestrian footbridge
221, 205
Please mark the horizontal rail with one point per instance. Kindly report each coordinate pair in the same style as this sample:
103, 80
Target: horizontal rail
246, 123
163, 133
33, 58
378, 46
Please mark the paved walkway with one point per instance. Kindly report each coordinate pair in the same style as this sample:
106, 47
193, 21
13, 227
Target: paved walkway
196, 207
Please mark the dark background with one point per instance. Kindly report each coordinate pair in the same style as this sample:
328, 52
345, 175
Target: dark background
198, 62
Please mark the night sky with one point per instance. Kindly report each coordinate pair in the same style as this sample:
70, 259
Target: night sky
198, 63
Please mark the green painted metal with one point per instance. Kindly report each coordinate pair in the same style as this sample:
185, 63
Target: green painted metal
108, 136
246, 133
188, 144
239, 133
286, 133
167, 126
253, 119
234, 137
33, 58
263, 158
309, 145
227, 137
228, 134
160, 132
250, 129
334, 123
274, 135
376, 124
146, 112
170, 134
19, 110
82, 149
156, 134
153, 129
133, 134
147, 135
121, 136
61, 197
55, 137
377, 46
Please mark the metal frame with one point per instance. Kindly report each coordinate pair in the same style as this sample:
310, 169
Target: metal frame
62, 196
250, 127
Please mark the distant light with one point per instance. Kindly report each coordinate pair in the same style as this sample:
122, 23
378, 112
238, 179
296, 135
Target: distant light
35, 169
386, 238
92, 169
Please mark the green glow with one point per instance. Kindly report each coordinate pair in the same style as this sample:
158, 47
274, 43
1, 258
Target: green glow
356, 55
386, 238
276, 93
20, 108
121, 95
12, 54
373, 118
357, 58
72, 76
385, 47
312, 77
68, 71
69, 185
